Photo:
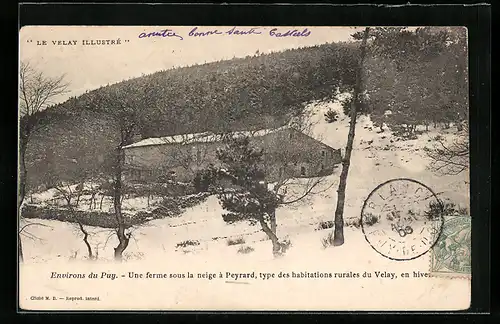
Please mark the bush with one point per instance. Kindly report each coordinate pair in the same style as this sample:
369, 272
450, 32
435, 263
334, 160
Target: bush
236, 241
187, 243
352, 222
437, 209
404, 132
369, 219
173, 206
331, 116
285, 245
204, 179
324, 225
327, 241
245, 249
361, 107
130, 256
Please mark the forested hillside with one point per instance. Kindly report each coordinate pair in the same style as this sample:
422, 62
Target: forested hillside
245, 93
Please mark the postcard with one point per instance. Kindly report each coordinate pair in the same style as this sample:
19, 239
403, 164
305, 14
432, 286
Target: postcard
255, 168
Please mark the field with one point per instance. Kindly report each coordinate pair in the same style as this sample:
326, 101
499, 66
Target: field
199, 242
376, 158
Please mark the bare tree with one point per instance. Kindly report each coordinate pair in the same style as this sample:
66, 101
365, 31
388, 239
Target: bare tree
450, 158
124, 107
36, 92
69, 194
339, 211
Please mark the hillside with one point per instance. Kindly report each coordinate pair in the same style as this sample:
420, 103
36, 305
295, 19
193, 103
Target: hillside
377, 157
245, 93
161, 246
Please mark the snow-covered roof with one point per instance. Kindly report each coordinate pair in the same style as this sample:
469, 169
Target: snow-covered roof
205, 137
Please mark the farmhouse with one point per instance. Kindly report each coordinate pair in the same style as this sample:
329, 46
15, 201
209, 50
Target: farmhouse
288, 152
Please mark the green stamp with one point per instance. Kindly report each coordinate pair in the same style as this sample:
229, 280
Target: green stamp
451, 255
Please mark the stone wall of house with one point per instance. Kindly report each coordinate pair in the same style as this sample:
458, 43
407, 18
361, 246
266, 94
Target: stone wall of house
171, 161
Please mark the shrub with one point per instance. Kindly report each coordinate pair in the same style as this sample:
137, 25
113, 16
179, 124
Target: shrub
235, 241
369, 219
352, 222
187, 243
331, 116
285, 244
444, 208
245, 249
324, 225
199, 183
173, 206
404, 132
129, 256
204, 179
327, 241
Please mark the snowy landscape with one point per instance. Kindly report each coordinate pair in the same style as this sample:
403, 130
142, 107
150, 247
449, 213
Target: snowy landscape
238, 179
377, 157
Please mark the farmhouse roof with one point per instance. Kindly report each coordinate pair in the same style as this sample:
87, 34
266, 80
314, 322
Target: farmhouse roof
206, 137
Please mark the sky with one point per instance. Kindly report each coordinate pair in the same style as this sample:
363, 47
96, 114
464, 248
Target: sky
87, 67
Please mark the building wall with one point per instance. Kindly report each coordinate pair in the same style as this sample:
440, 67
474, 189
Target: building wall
294, 154
180, 162
288, 153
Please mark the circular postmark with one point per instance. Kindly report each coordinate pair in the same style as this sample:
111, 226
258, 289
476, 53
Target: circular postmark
402, 219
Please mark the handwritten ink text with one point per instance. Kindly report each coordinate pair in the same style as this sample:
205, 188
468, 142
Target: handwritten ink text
161, 33
294, 33
196, 33
234, 31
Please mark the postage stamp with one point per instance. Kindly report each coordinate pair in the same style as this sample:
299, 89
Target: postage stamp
451, 255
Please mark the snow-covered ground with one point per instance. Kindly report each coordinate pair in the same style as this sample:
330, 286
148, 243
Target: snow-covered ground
87, 202
377, 157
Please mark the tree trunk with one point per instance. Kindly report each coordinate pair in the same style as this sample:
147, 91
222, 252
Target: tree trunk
22, 176
20, 248
100, 204
85, 240
338, 234
117, 202
22, 191
272, 236
123, 243
272, 218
